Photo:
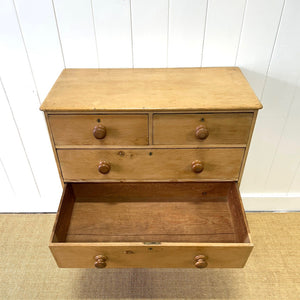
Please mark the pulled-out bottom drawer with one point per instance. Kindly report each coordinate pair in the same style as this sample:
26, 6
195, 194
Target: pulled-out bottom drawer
151, 224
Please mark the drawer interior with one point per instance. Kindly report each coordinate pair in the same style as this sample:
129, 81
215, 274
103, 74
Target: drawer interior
151, 212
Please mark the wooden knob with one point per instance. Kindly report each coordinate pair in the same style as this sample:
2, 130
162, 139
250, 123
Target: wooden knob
197, 166
100, 261
200, 257
104, 167
99, 131
201, 132
200, 261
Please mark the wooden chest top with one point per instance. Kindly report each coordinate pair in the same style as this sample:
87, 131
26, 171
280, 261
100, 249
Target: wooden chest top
150, 161
205, 89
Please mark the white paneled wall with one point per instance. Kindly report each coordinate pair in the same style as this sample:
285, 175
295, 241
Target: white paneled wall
38, 38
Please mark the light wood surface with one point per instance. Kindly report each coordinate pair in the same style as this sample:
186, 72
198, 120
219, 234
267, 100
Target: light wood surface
152, 221
156, 164
276, 237
151, 224
149, 191
238, 216
54, 149
109, 226
151, 89
120, 129
248, 146
64, 213
176, 129
81, 255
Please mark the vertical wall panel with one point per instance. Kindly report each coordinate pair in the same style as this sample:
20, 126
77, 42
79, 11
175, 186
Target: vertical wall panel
75, 22
150, 33
113, 32
278, 93
257, 40
186, 32
39, 30
13, 156
295, 184
166, 33
223, 28
7, 193
17, 80
287, 156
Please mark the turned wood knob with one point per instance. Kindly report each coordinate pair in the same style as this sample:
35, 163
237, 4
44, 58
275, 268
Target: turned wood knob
201, 132
197, 166
200, 261
100, 261
104, 167
99, 131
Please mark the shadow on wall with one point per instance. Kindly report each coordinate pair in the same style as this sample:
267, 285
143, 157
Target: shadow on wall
275, 140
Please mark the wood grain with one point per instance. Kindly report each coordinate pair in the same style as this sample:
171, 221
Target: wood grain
64, 213
54, 149
175, 129
108, 226
156, 164
151, 89
108, 221
151, 191
120, 129
247, 146
235, 203
166, 255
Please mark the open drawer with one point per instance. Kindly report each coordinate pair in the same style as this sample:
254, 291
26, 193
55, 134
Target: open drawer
151, 224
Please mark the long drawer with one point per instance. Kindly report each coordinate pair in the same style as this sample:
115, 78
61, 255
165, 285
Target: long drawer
99, 129
201, 129
153, 224
147, 164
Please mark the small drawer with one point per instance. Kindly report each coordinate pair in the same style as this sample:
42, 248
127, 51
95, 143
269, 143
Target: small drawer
148, 225
147, 164
99, 129
202, 129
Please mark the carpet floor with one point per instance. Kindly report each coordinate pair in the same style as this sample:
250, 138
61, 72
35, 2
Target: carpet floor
28, 271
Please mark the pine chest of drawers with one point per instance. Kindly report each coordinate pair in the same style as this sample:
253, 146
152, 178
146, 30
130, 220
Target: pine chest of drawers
151, 161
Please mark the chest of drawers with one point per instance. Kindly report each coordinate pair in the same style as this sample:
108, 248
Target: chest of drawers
150, 161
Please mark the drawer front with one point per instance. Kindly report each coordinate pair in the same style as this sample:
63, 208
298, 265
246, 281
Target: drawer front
200, 218
155, 164
201, 129
151, 256
99, 129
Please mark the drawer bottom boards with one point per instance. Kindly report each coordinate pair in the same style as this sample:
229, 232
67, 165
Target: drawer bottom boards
151, 224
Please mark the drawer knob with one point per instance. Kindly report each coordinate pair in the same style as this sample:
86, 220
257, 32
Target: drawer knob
200, 261
99, 131
201, 132
104, 167
100, 261
197, 166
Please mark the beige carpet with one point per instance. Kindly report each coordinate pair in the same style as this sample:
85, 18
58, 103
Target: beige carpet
28, 271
